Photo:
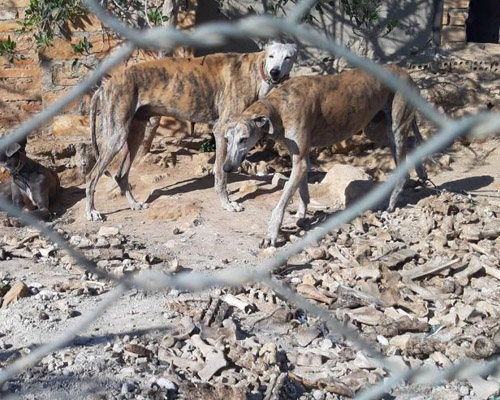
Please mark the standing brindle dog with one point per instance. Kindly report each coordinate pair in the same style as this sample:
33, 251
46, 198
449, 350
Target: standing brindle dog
316, 111
207, 89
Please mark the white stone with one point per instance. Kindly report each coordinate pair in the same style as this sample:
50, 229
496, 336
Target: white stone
166, 384
108, 231
344, 184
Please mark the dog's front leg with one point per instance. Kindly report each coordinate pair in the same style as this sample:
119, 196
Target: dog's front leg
17, 201
17, 196
220, 175
299, 173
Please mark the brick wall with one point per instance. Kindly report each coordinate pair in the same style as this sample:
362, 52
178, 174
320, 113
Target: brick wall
454, 15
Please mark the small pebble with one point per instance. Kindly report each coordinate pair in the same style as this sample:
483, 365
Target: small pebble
43, 316
318, 395
382, 340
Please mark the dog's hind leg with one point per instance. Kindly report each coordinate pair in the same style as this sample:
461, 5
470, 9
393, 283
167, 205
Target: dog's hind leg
303, 195
149, 134
420, 167
110, 151
131, 147
40, 199
304, 198
398, 127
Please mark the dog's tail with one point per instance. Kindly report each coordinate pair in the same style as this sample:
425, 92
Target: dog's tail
97, 97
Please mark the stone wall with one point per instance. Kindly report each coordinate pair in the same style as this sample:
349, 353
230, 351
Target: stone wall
20, 81
35, 79
38, 78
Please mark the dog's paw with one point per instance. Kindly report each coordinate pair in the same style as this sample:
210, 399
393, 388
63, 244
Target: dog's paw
267, 242
233, 206
139, 206
11, 222
94, 215
303, 223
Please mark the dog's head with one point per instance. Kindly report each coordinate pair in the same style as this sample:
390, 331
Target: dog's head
241, 136
278, 61
10, 156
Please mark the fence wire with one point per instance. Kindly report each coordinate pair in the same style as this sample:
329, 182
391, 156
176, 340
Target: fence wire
209, 35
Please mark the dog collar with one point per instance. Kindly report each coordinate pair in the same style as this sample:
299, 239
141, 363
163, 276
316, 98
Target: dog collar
268, 79
19, 167
262, 71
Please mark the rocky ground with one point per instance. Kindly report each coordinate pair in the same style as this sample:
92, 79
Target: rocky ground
419, 285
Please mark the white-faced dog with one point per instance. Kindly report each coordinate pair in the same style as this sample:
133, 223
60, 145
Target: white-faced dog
208, 89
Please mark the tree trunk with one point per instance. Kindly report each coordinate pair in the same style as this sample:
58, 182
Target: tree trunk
170, 8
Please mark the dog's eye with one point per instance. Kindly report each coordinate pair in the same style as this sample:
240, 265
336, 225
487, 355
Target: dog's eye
271, 56
242, 140
287, 57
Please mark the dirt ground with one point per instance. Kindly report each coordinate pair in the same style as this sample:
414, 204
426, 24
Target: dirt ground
186, 227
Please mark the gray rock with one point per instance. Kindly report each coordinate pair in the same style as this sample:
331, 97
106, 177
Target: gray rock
306, 335
166, 384
128, 387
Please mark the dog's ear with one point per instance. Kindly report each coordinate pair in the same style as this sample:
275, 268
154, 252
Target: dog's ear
12, 149
270, 43
263, 122
293, 48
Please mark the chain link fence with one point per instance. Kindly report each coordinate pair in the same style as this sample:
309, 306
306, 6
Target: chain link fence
205, 36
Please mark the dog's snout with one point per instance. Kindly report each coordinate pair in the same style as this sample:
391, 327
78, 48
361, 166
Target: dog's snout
227, 168
275, 72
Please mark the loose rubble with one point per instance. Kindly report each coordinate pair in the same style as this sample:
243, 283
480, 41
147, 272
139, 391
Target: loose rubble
420, 285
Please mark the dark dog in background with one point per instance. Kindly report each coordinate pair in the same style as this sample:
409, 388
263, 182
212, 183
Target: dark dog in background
32, 185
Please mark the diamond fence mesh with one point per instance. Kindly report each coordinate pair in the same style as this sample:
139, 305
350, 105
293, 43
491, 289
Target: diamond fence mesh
212, 34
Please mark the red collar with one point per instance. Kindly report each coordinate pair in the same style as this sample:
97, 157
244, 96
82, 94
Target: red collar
266, 78
262, 72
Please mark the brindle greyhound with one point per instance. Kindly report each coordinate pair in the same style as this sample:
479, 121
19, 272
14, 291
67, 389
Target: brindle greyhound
206, 89
315, 111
